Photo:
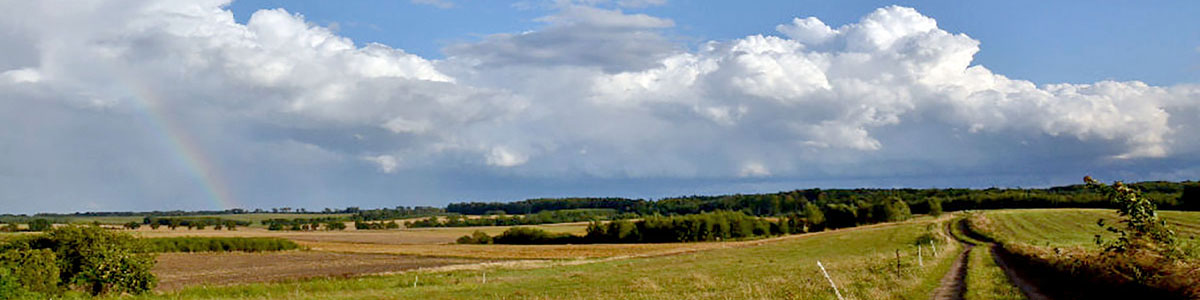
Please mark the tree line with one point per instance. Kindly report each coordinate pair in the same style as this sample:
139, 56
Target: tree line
1167, 195
542, 217
712, 226
190, 222
218, 244
305, 224
399, 212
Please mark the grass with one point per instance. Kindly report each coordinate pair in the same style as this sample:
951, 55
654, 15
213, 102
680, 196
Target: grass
1073, 227
985, 280
861, 260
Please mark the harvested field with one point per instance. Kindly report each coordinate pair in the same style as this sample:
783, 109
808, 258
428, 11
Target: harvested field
179, 270
581, 251
412, 236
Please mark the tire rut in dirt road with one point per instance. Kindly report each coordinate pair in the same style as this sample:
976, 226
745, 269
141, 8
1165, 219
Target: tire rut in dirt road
1031, 291
954, 285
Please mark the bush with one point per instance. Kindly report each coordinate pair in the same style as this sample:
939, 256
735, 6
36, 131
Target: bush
32, 270
40, 225
477, 237
533, 236
336, 225
92, 258
935, 206
892, 210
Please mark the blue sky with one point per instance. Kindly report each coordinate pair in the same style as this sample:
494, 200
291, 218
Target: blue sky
207, 104
1040, 41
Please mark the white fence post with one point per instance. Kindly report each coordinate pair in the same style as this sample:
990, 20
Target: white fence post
920, 261
835, 289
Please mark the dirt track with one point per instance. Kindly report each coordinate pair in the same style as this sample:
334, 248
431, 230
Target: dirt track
954, 285
1027, 286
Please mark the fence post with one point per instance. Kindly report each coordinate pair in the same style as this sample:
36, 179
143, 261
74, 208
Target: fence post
897, 263
416, 278
835, 289
920, 261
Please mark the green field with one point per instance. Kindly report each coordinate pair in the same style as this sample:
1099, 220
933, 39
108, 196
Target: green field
862, 261
1073, 227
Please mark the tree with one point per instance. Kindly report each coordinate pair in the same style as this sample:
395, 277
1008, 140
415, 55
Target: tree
816, 218
935, 206
892, 210
1191, 196
40, 225
839, 215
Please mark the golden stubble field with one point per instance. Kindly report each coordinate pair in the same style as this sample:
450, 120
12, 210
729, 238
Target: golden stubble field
346, 253
365, 252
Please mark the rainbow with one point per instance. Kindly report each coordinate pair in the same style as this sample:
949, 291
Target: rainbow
185, 148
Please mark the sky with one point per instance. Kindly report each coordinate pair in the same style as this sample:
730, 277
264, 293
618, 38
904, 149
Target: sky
208, 104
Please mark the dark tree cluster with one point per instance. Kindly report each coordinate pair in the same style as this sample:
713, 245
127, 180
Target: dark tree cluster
360, 225
302, 224
192, 223
714, 226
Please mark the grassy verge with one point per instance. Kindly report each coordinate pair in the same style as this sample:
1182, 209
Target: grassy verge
861, 261
1050, 243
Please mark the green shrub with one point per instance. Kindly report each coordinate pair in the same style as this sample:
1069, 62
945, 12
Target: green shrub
91, 258
40, 225
935, 206
533, 236
477, 237
36, 270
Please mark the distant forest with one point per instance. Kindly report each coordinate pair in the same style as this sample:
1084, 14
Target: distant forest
1167, 195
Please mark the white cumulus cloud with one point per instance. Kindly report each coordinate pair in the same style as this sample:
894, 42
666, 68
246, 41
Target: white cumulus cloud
180, 99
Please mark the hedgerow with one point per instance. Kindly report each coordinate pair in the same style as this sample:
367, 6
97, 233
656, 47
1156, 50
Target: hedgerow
219, 244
